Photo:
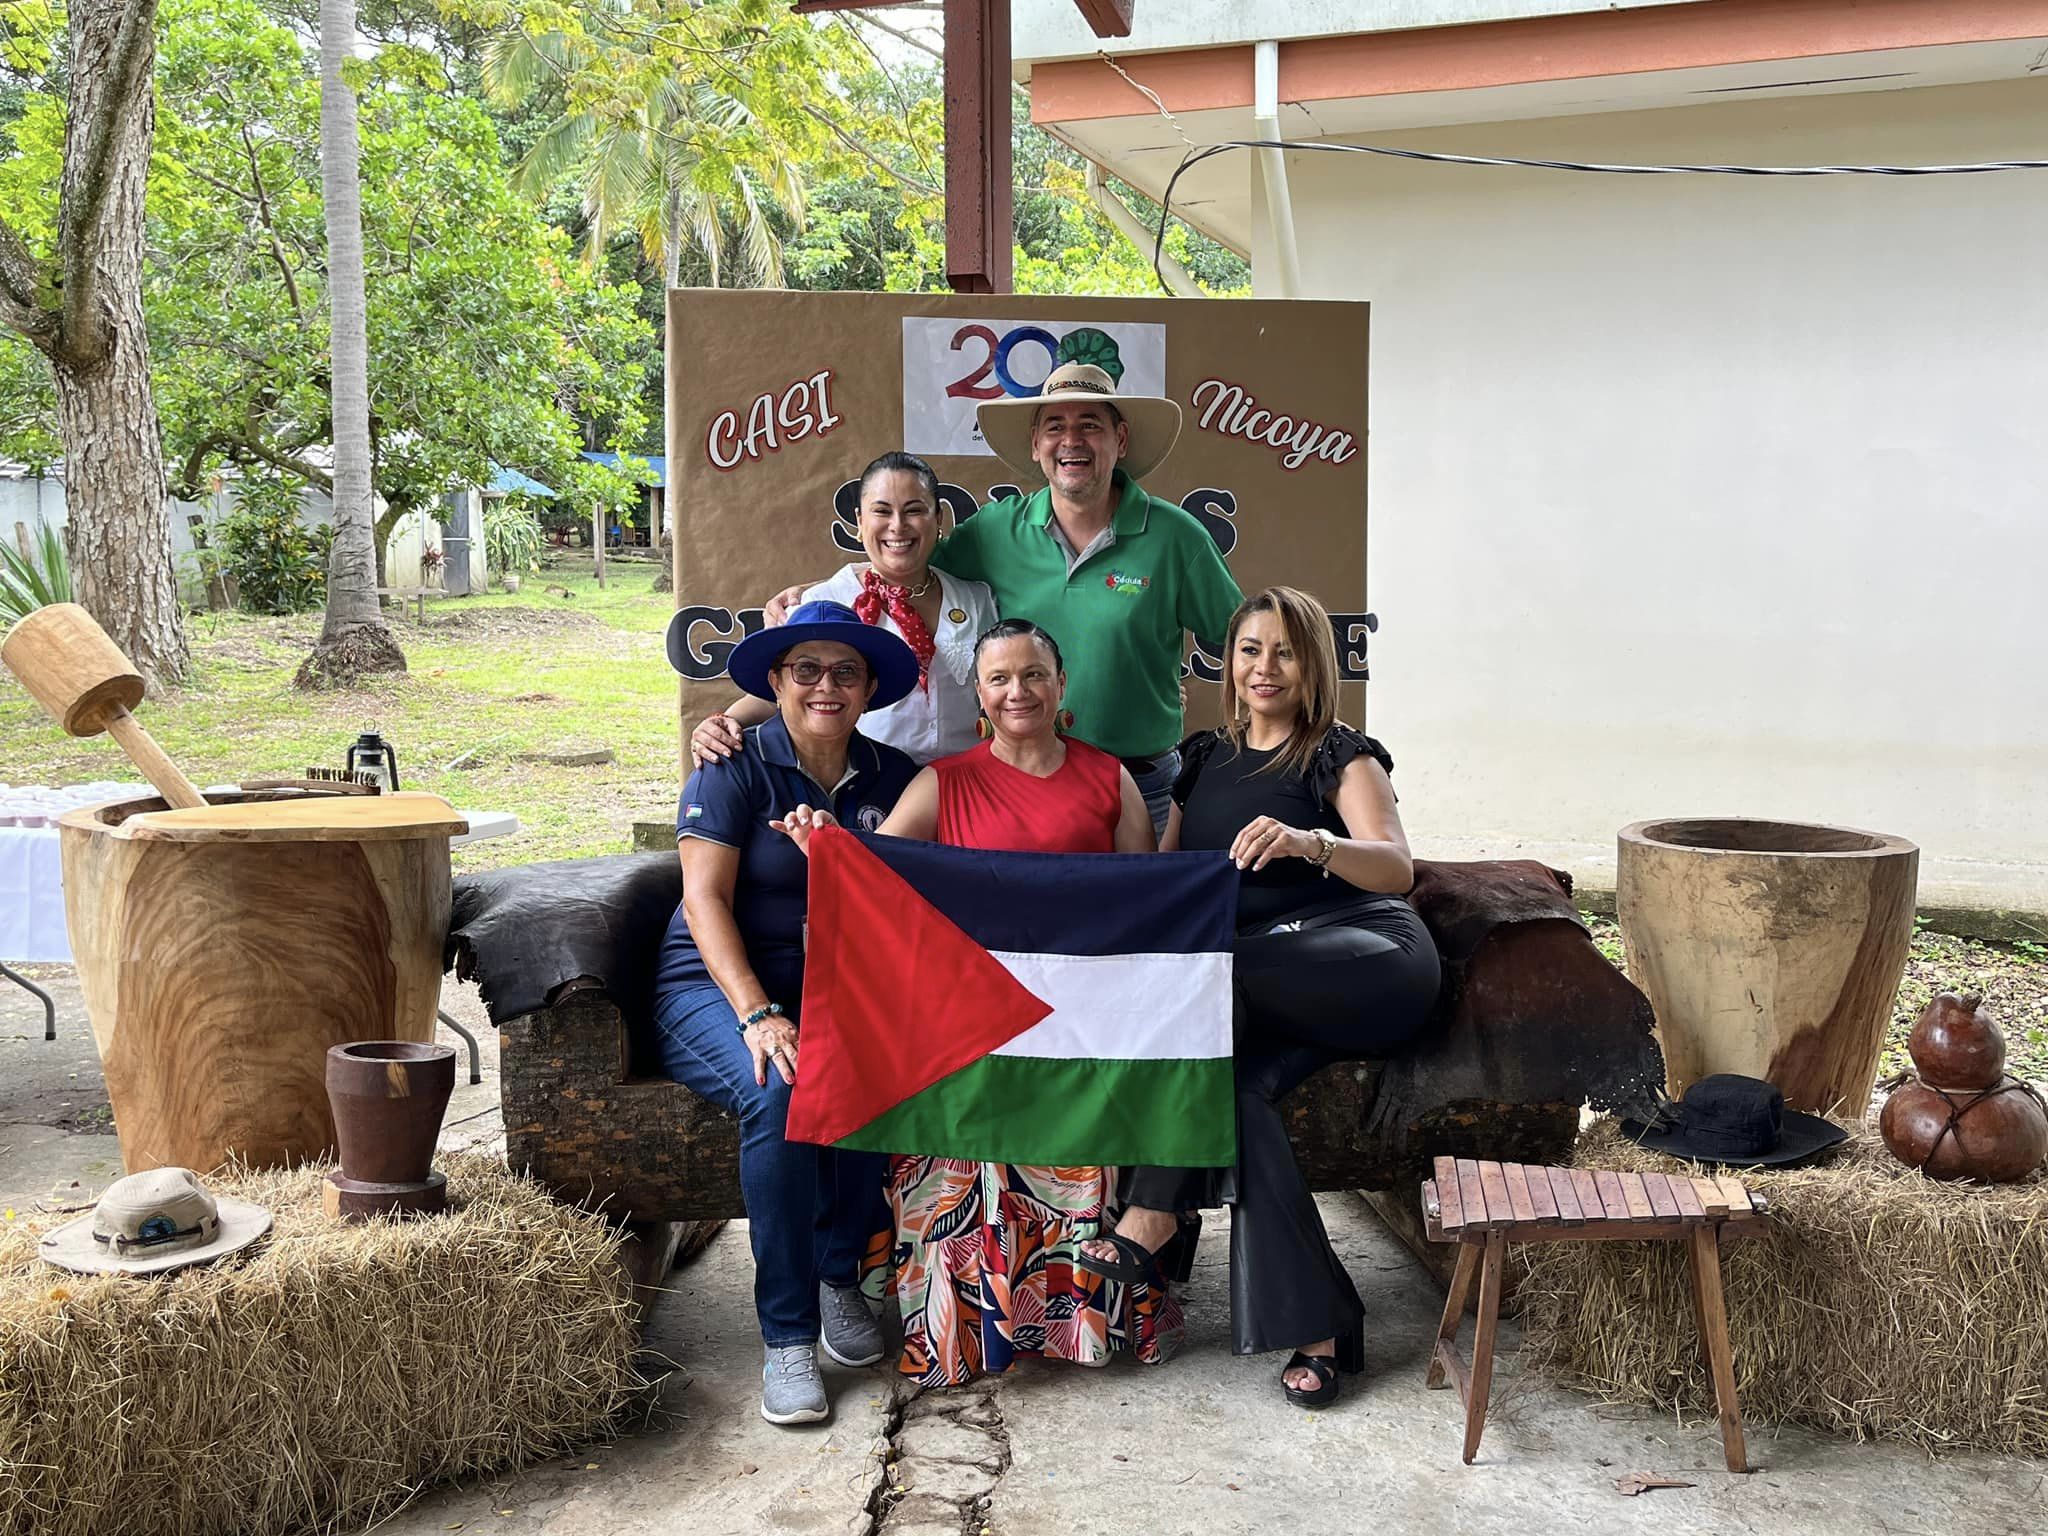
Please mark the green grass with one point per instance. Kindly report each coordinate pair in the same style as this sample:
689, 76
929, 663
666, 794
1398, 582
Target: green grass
498, 675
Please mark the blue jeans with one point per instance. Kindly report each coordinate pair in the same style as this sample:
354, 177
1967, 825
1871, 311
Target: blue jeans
1154, 777
810, 1210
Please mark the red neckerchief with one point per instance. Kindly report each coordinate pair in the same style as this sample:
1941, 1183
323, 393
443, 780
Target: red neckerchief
877, 594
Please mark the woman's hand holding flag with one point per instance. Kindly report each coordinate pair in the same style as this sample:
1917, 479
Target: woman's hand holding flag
800, 823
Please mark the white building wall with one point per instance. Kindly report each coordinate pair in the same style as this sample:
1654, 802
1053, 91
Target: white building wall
404, 553
1699, 496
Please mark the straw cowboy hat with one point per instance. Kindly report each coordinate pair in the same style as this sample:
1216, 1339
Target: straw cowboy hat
1154, 422
151, 1222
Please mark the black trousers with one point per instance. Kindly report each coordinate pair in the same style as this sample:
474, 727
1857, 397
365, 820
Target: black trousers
1304, 999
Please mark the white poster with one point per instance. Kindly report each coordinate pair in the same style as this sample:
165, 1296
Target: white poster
951, 365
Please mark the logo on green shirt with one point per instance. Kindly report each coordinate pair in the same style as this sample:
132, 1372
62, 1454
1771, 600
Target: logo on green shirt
1126, 586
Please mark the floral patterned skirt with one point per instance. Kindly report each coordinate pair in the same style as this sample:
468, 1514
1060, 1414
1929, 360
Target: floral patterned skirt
981, 1261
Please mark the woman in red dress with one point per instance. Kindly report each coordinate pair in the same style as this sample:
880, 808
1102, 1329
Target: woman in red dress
983, 1258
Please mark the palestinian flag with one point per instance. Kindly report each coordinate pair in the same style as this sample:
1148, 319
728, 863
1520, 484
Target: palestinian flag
1017, 1007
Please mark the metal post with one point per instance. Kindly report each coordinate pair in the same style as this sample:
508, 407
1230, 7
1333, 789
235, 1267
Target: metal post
1273, 166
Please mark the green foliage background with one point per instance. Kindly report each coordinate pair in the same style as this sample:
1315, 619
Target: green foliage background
533, 173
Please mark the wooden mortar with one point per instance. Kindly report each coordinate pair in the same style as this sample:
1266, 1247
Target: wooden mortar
223, 950
1768, 948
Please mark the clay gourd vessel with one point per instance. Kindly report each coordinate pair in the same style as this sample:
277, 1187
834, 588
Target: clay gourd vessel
1962, 1117
1956, 1044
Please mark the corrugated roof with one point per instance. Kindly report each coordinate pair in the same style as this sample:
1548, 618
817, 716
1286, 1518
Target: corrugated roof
510, 482
657, 464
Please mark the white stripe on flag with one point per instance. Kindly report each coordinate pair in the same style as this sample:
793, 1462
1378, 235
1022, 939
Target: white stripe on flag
1124, 1007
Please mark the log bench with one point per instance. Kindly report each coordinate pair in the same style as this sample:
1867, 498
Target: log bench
1532, 1022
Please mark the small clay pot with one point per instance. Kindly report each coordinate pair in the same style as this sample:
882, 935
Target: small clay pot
1999, 1136
1956, 1044
389, 1097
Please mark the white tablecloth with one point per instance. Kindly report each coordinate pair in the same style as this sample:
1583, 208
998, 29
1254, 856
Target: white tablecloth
31, 897
32, 887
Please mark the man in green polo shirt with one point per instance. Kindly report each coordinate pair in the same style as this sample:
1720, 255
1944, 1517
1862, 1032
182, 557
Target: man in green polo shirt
1115, 574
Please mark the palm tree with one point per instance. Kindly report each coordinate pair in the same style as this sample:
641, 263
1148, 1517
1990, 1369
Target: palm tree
682, 162
354, 639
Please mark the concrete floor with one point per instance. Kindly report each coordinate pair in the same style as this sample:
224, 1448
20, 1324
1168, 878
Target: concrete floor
1204, 1444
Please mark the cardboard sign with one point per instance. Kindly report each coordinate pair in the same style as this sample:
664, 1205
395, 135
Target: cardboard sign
778, 400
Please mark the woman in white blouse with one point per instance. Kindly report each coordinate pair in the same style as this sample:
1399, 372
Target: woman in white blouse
938, 616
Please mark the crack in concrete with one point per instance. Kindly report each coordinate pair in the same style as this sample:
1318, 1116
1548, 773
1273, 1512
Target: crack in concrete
946, 1452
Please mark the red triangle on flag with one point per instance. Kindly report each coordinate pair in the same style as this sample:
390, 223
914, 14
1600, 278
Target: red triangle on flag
896, 997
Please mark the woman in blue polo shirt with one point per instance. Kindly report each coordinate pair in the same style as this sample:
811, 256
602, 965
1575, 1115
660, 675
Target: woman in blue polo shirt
731, 976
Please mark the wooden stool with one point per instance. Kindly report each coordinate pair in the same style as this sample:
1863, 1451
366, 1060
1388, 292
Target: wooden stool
1488, 1205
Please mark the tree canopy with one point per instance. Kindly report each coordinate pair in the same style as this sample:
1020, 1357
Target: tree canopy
534, 173
489, 343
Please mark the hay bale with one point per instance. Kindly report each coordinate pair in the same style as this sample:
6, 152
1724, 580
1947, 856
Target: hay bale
317, 1383
1884, 1305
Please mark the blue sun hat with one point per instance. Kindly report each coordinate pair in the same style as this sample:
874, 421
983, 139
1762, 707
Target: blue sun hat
891, 662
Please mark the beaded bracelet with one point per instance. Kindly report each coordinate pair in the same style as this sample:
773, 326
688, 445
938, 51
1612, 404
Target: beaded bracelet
765, 1011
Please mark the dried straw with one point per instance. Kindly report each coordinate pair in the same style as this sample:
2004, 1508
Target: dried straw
1884, 1304
318, 1382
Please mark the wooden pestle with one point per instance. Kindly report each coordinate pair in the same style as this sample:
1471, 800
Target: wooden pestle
77, 673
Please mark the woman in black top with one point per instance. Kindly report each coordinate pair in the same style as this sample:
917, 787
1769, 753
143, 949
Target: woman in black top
1330, 965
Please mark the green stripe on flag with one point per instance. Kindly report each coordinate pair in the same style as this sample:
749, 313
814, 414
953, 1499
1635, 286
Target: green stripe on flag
1078, 1111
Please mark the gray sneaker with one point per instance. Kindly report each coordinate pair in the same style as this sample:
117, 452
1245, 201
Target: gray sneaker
791, 1392
852, 1336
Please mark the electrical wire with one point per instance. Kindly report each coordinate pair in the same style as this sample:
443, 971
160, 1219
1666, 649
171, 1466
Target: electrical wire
1197, 155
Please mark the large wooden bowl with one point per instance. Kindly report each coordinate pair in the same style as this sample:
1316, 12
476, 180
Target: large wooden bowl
1768, 948
222, 950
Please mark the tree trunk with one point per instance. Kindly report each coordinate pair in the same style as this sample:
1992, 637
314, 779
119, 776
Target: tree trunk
85, 316
354, 639
672, 241
119, 533
386, 525
672, 274
665, 566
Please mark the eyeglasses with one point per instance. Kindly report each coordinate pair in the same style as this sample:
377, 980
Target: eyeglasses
847, 674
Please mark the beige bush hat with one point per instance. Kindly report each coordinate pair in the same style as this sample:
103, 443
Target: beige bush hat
151, 1222
1154, 422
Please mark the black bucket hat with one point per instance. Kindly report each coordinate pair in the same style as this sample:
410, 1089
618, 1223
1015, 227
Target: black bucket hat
1740, 1122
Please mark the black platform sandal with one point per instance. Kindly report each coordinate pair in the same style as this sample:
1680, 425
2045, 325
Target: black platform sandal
1350, 1359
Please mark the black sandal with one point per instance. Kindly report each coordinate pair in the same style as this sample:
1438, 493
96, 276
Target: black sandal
1350, 1358
1135, 1264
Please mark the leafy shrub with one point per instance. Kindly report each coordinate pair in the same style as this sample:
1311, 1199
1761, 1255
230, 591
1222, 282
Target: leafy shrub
275, 562
35, 580
562, 517
512, 536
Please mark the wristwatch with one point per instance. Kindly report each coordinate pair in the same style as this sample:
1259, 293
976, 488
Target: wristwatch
1328, 839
